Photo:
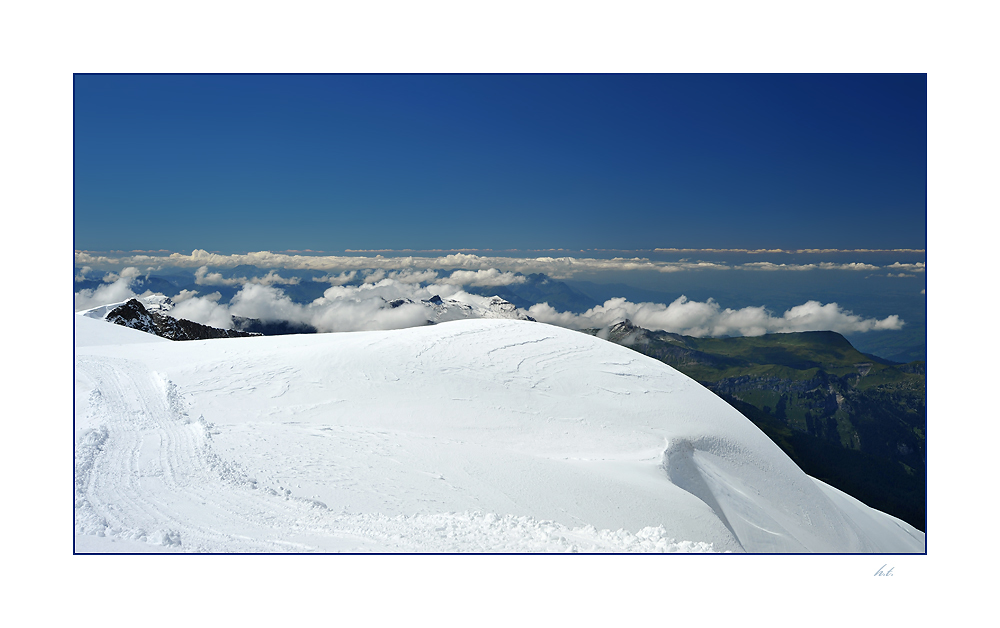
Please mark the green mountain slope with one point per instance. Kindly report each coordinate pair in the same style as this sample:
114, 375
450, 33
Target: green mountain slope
853, 420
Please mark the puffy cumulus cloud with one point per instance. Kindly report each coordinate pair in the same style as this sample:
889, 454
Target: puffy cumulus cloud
103, 295
483, 278
82, 275
556, 267
375, 276
184, 295
356, 308
350, 308
205, 310
813, 315
204, 278
388, 289
117, 287
267, 303
273, 278
365, 307
695, 318
338, 280
917, 267
347, 314
341, 308
414, 276
129, 274
344, 308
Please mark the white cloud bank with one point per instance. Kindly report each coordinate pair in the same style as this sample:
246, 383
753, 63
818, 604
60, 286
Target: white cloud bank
695, 318
555, 267
341, 308
364, 307
918, 267
488, 278
204, 278
820, 266
117, 287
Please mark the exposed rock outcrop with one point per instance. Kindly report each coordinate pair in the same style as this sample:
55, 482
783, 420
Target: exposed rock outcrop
134, 315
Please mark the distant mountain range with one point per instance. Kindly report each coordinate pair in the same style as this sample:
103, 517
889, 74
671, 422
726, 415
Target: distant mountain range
574, 296
151, 314
535, 288
856, 421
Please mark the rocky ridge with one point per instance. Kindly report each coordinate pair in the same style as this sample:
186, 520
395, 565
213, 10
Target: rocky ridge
134, 315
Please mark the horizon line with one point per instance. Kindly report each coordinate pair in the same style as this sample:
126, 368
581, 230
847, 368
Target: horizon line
512, 250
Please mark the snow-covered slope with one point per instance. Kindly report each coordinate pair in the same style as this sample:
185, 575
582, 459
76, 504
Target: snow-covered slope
478, 435
90, 331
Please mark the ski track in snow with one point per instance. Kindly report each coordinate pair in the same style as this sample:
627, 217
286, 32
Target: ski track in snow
148, 462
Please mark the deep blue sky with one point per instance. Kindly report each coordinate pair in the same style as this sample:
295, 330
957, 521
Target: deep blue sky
330, 162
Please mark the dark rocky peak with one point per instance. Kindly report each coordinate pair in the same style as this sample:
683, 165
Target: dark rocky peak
134, 315
627, 333
502, 308
626, 326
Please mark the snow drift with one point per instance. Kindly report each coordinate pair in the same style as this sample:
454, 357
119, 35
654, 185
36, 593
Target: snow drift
470, 436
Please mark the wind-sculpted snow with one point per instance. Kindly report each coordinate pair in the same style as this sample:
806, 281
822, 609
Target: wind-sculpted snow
469, 436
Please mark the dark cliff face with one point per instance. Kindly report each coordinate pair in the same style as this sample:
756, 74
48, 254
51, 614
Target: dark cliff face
134, 314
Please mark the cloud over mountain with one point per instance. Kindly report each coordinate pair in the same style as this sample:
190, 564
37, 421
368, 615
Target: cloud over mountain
117, 287
364, 304
708, 318
341, 308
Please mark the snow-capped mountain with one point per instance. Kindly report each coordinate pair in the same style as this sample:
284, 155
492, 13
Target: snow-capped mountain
158, 317
469, 436
134, 315
151, 302
442, 310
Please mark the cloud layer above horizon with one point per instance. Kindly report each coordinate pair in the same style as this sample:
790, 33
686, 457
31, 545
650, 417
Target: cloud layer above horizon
363, 306
556, 267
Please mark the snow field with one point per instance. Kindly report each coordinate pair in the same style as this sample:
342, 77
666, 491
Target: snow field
470, 436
